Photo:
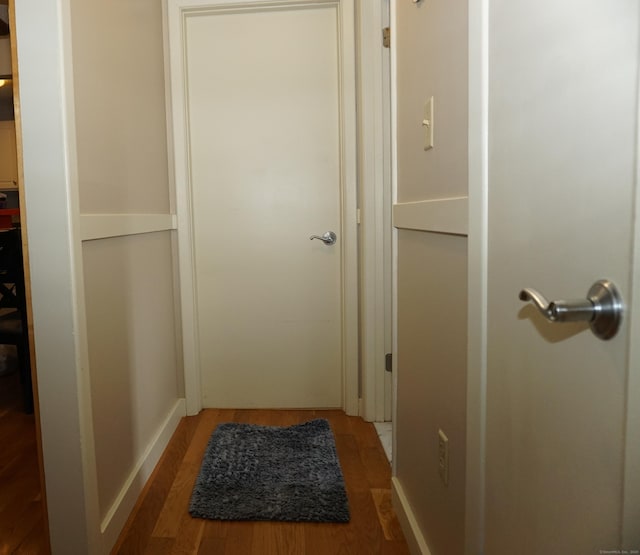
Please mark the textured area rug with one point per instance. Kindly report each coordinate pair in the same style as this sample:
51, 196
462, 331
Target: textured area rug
254, 472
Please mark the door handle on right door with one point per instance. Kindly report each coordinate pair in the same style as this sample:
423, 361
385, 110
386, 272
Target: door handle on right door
328, 238
602, 308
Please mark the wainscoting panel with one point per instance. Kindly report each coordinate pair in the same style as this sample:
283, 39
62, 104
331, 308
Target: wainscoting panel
102, 226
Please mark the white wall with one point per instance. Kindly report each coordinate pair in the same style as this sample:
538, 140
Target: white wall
432, 382
121, 131
431, 60
120, 106
132, 355
95, 158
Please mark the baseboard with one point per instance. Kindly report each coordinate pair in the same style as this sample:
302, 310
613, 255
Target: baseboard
408, 522
116, 517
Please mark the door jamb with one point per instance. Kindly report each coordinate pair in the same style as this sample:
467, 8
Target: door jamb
49, 163
177, 11
375, 207
478, 34
631, 476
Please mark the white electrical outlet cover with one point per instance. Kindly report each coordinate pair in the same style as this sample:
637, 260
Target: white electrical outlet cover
427, 124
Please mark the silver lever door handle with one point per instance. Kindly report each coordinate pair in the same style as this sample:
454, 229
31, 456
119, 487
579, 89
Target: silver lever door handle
602, 308
328, 238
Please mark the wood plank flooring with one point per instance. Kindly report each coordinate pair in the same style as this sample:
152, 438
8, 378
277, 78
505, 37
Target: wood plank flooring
22, 527
160, 523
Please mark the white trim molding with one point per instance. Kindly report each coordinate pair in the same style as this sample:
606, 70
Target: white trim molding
103, 226
408, 522
394, 232
477, 276
631, 483
375, 203
51, 203
349, 177
116, 517
180, 162
449, 215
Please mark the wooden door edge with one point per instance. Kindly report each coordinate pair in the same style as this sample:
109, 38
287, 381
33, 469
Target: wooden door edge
27, 274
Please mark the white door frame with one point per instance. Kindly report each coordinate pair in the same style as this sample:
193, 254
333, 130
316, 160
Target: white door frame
178, 11
375, 209
631, 476
631, 479
477, 274
47, 136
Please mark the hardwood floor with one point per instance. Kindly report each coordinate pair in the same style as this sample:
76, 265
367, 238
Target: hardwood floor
160, 523
22, 528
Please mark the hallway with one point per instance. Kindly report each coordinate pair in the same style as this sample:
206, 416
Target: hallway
160, 522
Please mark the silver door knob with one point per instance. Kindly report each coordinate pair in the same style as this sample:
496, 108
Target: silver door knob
602, 308
328, 238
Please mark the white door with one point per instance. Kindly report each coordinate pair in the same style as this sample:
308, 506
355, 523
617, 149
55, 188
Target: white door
267, 171
562, 121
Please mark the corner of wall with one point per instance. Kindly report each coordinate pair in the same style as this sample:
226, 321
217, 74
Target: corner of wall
117, 516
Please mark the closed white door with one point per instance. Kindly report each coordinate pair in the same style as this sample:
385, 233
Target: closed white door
563, 96
267, 172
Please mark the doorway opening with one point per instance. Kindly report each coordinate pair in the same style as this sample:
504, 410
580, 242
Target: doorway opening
24, 522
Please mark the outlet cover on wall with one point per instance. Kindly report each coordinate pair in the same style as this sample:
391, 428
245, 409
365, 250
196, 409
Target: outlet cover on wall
443, 457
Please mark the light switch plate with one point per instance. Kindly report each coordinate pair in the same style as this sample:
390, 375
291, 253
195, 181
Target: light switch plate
427, 124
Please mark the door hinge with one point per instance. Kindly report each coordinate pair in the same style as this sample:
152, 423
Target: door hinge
388, 362
386, 37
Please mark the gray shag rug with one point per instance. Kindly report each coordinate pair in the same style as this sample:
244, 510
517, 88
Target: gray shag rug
252, 472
